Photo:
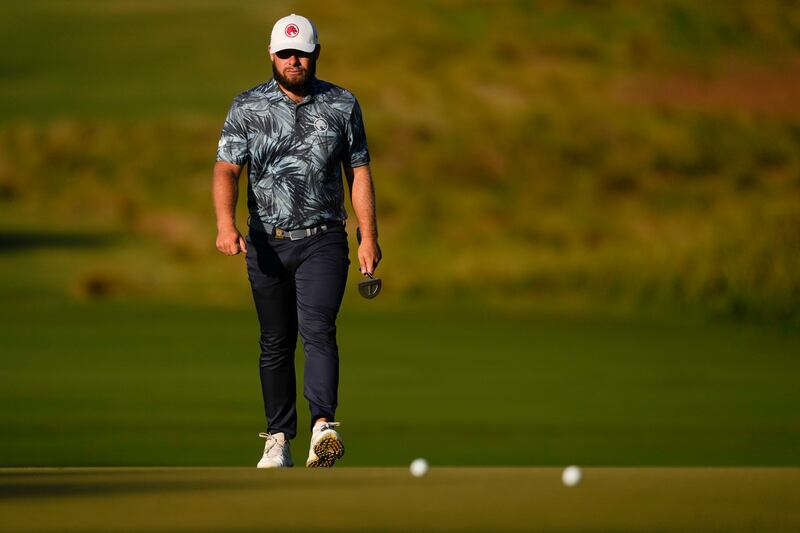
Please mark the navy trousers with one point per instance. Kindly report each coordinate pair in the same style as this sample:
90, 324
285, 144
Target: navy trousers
298, 286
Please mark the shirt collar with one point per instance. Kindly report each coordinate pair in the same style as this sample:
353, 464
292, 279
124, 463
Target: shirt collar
275, 94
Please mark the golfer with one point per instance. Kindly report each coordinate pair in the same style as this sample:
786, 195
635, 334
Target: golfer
296, 134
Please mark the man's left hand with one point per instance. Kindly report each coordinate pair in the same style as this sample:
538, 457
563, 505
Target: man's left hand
369, 255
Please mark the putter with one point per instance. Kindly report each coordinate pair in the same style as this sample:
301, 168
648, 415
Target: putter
369, 288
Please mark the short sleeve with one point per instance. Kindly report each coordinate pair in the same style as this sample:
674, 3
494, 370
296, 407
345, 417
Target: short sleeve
357, 151
232, 145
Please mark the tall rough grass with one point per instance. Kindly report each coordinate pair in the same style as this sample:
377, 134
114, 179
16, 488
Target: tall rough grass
548, 150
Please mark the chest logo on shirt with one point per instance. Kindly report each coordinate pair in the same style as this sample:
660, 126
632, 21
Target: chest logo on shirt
321, 125
291, 30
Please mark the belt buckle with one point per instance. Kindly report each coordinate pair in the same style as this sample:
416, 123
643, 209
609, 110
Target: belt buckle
278, 233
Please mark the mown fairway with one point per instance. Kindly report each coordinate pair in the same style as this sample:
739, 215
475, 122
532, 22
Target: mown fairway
123, 384
389, 499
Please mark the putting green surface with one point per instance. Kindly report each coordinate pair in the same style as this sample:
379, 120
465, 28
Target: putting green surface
389, 499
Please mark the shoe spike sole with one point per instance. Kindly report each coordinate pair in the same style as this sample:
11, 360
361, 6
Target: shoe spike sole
328, 450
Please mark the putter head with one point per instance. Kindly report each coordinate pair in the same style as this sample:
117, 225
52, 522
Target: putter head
369, 288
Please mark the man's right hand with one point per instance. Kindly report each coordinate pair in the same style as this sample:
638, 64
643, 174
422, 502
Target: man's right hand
230, 241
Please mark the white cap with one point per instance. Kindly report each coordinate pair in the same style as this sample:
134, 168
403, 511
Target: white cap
293, 32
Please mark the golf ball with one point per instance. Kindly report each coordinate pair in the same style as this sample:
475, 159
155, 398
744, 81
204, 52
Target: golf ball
571, 476
419, 467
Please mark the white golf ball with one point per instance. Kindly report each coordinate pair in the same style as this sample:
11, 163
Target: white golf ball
571, 476
419, 467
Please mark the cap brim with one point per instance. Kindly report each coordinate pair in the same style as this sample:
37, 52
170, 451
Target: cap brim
288, 45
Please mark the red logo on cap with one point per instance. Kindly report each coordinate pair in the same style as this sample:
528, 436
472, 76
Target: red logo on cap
292, 30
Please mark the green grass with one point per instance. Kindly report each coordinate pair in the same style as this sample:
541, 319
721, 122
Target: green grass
112, 384
372, 499
645, 157
578, 186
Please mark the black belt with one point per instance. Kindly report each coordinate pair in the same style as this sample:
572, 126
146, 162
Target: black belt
297, 234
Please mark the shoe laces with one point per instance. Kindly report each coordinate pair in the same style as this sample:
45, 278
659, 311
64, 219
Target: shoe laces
325, 426
273, 447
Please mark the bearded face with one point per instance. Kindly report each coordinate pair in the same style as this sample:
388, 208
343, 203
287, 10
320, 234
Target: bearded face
294, 70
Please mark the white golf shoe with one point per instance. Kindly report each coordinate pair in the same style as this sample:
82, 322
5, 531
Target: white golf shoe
326, 446
277, 453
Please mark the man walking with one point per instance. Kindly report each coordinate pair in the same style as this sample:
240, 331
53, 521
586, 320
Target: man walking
296, 133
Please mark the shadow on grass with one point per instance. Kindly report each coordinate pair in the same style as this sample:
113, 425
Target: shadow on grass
16, 241
100, 481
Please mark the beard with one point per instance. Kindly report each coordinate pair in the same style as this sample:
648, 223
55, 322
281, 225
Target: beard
301, 83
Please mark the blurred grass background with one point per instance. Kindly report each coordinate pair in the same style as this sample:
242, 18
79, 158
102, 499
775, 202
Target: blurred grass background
598, 151
596, 158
